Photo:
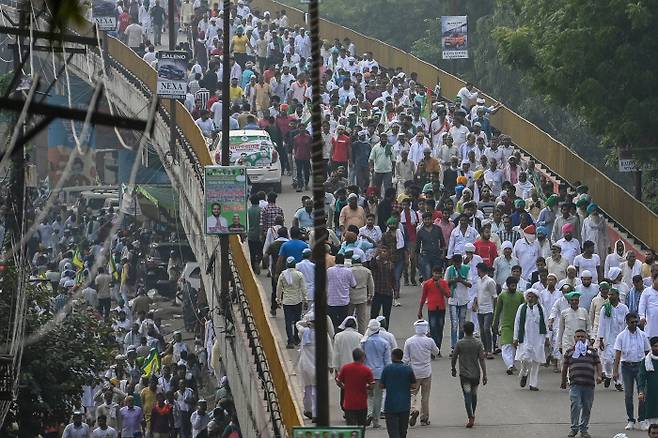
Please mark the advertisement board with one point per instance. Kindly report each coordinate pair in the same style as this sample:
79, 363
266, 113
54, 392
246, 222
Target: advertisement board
105, 15
172, 74
226, 199
454, 36
328, 432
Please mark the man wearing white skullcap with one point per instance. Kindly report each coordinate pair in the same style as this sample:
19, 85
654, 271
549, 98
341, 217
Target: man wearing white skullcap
344, 344
588, 289
502, 265
378, 355
419, 350
531, 336
615, 276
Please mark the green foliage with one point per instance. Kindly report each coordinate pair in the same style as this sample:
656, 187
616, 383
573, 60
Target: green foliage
58, 359
593, 57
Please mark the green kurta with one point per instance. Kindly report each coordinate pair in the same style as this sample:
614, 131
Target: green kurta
647, 382
505, 313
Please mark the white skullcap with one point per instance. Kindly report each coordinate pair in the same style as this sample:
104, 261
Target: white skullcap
374, 325
586, 274
506, 244
421, 326
614, 272
529, 291
469, 247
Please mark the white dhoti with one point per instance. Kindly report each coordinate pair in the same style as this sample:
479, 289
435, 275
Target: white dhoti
310, 400
530, 368
608, 360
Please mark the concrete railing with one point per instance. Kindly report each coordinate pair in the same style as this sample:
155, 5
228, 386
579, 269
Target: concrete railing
613, 199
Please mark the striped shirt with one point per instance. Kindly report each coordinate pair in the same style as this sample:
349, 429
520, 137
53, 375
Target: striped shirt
582, 371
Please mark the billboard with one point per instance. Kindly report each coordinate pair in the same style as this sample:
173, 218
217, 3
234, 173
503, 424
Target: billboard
329, 432
105, 15
172, 74
226, 199
454, 36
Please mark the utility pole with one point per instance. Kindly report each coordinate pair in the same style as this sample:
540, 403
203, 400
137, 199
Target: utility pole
320, 225
226, 101
172, 46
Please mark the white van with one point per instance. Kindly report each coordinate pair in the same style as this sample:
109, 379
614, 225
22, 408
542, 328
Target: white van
253, 148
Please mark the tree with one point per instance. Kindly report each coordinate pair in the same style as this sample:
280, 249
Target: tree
593, 57
59, 357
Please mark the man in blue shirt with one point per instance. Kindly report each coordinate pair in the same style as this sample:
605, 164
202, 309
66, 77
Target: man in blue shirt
378, 355
292, 248
398, 379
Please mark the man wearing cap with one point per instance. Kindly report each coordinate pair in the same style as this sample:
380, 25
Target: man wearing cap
378, 355
419, 350
611, 322
362, 293
526, 250
345, 342
648, 308
631, 347
587, 289
291, 294
531, 336
76, 429
571, 319
307, 268
595, 229
566, 218
502, 265
306, 361
503, 323
557, 264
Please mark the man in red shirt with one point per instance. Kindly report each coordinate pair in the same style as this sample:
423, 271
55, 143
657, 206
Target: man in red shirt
484, 247
162, 418
435, 293
355, 379
340, 149
302, 153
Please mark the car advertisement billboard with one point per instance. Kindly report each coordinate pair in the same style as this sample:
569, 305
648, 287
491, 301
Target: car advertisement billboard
226, 199
172, 72
454, 36
105, 15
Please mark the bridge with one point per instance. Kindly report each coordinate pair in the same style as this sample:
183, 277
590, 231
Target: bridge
267, 401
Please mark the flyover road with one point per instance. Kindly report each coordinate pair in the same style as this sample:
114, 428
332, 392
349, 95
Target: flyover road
504, 409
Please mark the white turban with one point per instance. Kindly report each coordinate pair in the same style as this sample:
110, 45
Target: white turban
421, 327
373, 327
343, 324
530, 291
613, 272
506, 245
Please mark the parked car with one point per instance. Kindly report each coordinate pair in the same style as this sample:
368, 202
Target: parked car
254, 149
169, 71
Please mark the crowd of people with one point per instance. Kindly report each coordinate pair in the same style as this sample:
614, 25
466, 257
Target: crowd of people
423, 192
156, 384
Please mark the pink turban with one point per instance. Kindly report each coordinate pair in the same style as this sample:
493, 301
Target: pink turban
567, 228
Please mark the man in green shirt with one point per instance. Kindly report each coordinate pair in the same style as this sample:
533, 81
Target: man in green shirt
254, 235
506, 306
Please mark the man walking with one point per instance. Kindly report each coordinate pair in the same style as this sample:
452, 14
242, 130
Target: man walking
503, 323
291, 291
378, 355
530, 338
418, 352
647, 383
469, 351
362, 293
457, 277
398, 380
583, 366
355, 379
571, 319
631, 347
611, 323
484, 306
339, 281
435, 293
384, 278
157, 18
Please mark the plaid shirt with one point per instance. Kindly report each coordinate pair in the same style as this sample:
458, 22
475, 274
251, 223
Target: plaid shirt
383, 276
511, 235
268, 215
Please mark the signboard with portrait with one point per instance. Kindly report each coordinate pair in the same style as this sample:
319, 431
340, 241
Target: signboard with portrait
172, 74
454, 36
226, 199
328, 432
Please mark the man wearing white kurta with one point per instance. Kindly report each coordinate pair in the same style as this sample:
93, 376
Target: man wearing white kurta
571, 319
306, 362
345, 342
648, 308
418, 352
530, 338
612, 320
526, 250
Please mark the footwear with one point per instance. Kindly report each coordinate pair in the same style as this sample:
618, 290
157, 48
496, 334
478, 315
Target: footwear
308, 414
413, 282
533, 388
630, 425
376, 425
368, 420
497, 351
644, 425
573, 433
471, 422
413, 417
406, 282
524, 380
606, 382
439, 355
450, 355
425, 422
273, 312
396, 303
509, 371
490, 356
619, 387
432, 357
585, 435
290, 346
